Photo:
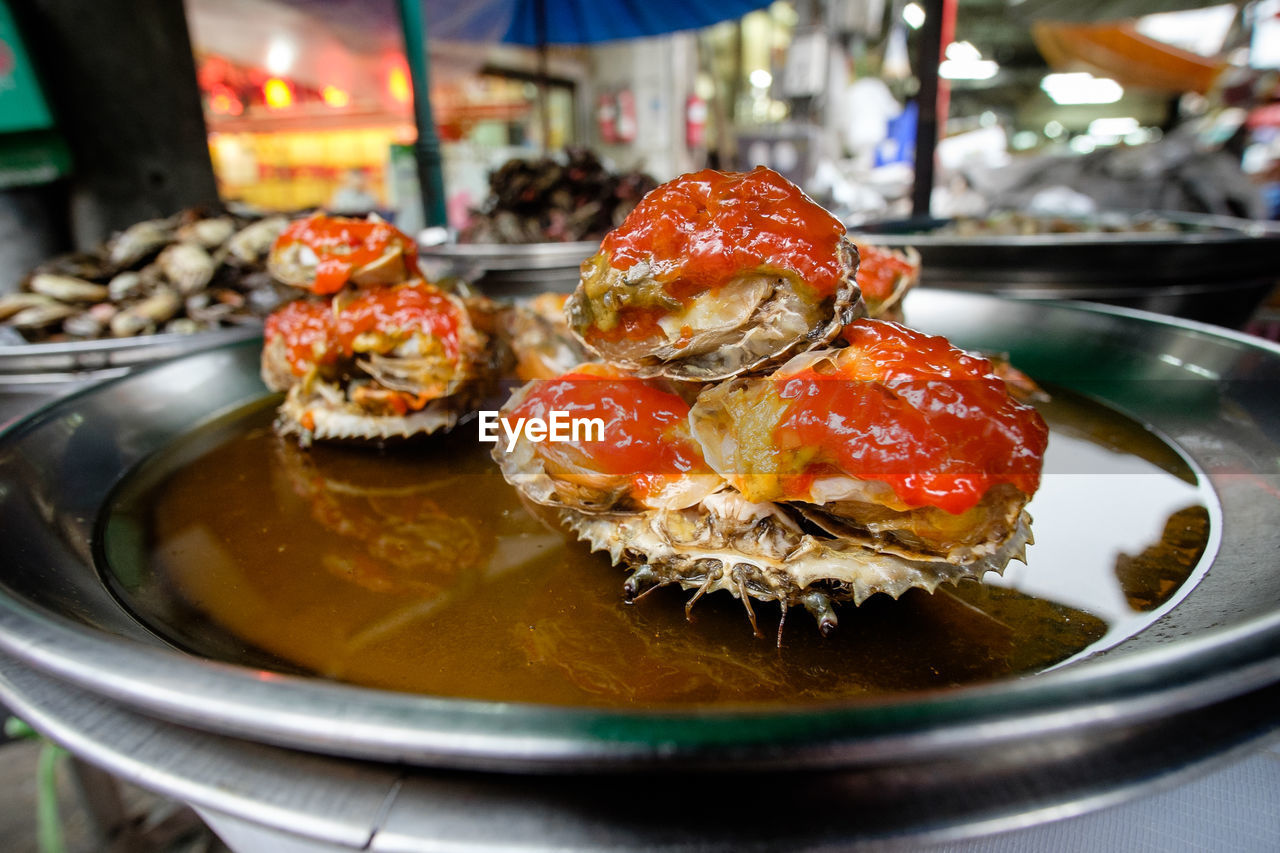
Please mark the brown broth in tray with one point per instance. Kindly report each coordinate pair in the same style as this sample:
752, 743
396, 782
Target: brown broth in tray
416, 568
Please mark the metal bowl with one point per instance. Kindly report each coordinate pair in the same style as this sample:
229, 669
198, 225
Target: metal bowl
503, 270
1213, 394
1216, 269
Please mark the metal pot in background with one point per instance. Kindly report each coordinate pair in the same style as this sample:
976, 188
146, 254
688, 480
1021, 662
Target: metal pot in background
1215, 269
502, 270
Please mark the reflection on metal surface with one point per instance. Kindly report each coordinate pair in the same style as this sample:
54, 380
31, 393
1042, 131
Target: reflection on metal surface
1108, 488
78, 358
1151, 577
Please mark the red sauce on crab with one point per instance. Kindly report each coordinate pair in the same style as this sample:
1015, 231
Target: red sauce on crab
343, 245
916, 413
700, 230
398, 312
307, 330
646, 428
879, 270
635, 324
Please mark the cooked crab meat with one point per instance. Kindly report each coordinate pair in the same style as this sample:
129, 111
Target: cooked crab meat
714, 274
900, 440
638, 455
884, 277
375, 363
323, 253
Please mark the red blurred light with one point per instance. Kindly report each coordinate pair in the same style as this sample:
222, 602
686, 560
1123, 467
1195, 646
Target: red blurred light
224, 101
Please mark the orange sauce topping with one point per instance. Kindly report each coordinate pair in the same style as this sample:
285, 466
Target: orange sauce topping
702, 229
879, 270
399, 312
344, 245
646, 428
915, 413
635, 324
314, 336
307, 330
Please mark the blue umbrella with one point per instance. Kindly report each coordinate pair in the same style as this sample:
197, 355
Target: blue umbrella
574, 22
533, 23
542, 22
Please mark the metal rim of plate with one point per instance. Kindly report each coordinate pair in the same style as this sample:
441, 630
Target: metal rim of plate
1211, 392
254, 790
513, 257
1196, 228
1211, 254
70, 359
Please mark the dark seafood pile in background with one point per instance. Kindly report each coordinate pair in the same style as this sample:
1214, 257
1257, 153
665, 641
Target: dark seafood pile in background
549, 201
188, 273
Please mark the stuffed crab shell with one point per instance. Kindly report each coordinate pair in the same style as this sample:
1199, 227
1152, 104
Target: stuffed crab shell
376, 363
631, 450
324, 253
894, 463
884, 277
715, 274
899, 442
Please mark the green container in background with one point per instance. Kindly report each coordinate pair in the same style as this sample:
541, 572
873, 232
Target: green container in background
31, 149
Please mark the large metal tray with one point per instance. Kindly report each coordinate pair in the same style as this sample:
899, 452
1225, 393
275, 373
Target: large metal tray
1213, 394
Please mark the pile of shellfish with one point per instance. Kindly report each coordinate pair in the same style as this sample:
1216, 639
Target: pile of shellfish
760, 434
555, 200
187, 273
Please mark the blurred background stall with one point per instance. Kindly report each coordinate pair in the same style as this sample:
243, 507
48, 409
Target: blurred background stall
881, 111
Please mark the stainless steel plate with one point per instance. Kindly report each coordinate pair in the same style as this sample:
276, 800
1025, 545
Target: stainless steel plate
514, 256
515, 269
1215, 395
1214, 268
